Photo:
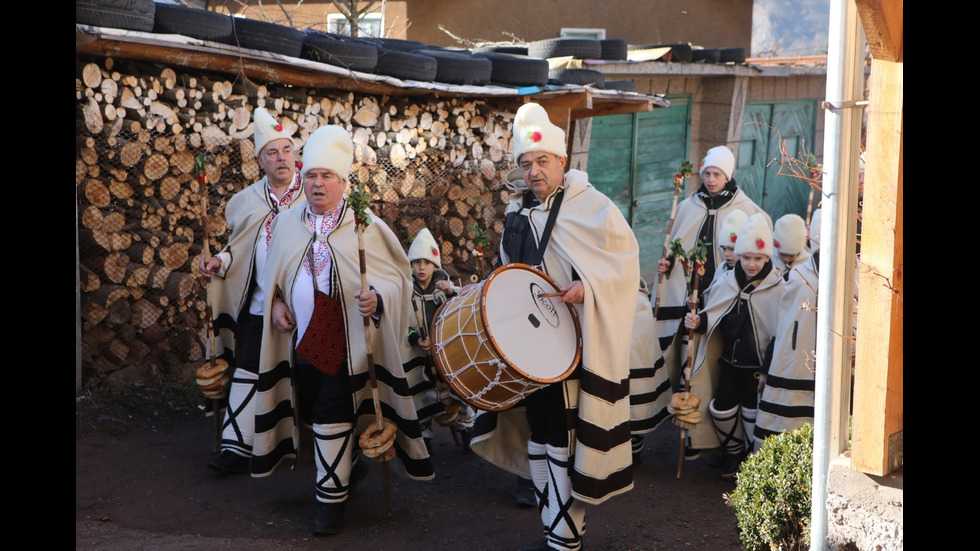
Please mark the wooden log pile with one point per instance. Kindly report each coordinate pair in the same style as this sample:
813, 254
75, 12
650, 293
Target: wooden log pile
427, 162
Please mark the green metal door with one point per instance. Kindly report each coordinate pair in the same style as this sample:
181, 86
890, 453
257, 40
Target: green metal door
633, 159
769, 128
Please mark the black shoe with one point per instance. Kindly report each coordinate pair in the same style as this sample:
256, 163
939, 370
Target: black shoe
229, 463
466, 436
428, 444
329, 519
730, 465
716, 460
525, 493
691, 454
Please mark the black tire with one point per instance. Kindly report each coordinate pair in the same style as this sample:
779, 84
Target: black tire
133, 15
731, 55
614, 49
678, 52
621, 85
193, 22
406, 65
267, 37
583, 77
459, 67
706, 55
400, 44
516, 50
580, 48
516, 70
325, 48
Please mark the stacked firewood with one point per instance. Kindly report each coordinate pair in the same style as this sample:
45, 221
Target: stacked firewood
427, 162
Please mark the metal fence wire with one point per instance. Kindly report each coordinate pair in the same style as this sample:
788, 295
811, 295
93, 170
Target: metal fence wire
426, 162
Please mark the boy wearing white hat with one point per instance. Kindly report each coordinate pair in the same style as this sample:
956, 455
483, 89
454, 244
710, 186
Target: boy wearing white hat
786, 402
315, 257
431, 289
567, 436
699, 216
739, 324
789, 242
237, 291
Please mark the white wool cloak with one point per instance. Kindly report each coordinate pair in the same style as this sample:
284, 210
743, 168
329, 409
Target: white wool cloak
649, 384
787, 399
246, 213
763, 303
691, 214
277, 422
592, 240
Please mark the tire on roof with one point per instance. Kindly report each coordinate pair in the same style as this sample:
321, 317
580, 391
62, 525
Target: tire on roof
516, 70
133, 15
706, 55
621, 85
516, 50
459, 67
194, 23
330, 49
731, 55
583, 77
267, 37
613, 49
580, 48
406, 65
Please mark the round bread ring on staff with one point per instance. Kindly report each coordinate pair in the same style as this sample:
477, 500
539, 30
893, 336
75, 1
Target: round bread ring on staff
685, 407
375, 443
212, 378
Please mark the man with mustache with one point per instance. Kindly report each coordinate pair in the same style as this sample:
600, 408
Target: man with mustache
237, 293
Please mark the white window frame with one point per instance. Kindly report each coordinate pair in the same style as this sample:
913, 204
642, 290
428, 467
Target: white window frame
376, 20
579, 32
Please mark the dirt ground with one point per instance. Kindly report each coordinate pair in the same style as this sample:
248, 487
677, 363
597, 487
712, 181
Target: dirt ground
142, 484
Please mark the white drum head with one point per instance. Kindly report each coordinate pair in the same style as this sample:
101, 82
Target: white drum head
538, 336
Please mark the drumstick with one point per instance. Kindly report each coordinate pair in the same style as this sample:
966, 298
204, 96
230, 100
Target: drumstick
552, 295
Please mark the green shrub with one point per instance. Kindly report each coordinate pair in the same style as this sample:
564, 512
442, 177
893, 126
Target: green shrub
772, 497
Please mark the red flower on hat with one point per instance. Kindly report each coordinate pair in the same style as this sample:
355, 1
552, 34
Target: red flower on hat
299, 165
535, 136
775, 244
733, 236
277, 127
761, 243
702, 161
435, 251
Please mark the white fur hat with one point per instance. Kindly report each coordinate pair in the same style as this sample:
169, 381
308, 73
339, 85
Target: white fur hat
533, 131
329, 147
789, 234
425, 247
721, 158
815, 231
729, 228
267, 129
755, 236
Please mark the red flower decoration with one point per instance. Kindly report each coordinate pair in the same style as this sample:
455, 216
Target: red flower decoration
761, 243
702, 162
535, 136
435, 251
775, 244
278, 127
733, 236
299, 165
478, 251
678, 176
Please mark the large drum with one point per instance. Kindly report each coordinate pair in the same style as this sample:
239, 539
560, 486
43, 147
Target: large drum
505, 338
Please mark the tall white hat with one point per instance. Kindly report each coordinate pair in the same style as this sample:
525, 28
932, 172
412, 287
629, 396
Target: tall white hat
728, 234
755, 236
533, 131
267, 129
329, 147
721, 158
789, 234
424, 247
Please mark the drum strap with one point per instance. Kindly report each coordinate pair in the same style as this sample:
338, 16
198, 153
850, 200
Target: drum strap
550, 224
535, 257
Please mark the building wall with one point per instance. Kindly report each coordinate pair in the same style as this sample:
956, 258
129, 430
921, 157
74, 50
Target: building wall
708, 23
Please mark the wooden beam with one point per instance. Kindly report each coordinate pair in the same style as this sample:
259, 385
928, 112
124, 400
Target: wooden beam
883, 22
878, 420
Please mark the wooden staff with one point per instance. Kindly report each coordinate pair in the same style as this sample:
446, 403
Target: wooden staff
358, 202
686, 170
692, 303
202, 178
